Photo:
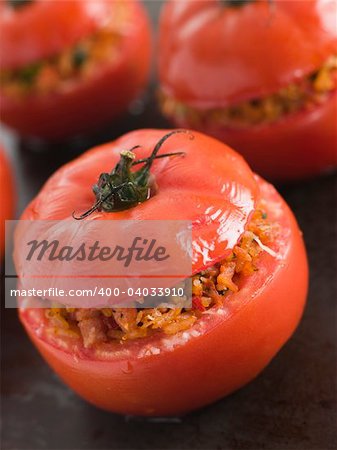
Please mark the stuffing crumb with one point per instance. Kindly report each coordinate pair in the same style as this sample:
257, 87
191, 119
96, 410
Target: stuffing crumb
304, 94
209, 288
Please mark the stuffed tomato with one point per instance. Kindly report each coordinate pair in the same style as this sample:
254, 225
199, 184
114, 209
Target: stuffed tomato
249, 278
69, 67
259, 75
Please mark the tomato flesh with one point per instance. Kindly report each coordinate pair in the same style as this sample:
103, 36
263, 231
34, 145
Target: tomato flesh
297, 146
213, 55
231, 343
251, 52
224, 350
210, 185
84, 105
42, 29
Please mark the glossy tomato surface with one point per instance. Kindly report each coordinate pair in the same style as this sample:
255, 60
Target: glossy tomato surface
210, 185
301, 145
215, 55
7, 196
230, 344
43, 29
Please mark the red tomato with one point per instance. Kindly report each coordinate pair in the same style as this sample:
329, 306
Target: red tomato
214, 55
7, 197
230, 192
230, 344
43, 29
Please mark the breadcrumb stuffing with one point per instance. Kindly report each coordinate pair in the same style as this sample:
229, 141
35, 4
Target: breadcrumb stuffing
72, 65
304, 94
209, 288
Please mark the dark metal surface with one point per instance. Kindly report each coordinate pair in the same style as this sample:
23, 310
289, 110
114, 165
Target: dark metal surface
291, 405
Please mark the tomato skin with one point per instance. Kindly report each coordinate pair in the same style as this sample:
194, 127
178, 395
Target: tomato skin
218, 206
7, 196
42, 29
232, 349
213, 56
231, 66
299, 146
90, 103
